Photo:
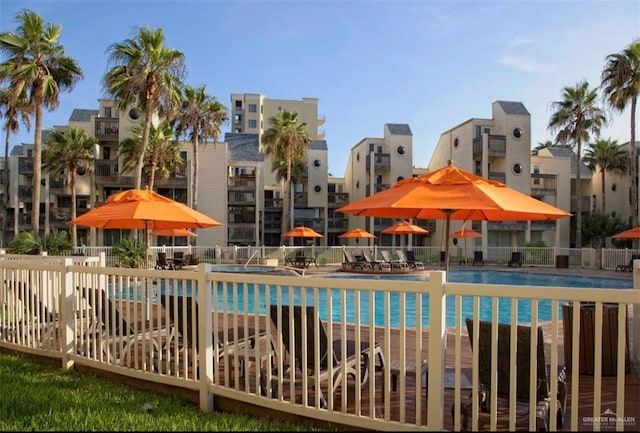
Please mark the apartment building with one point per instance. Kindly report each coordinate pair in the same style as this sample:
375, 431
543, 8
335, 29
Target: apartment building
499, 148
374, 165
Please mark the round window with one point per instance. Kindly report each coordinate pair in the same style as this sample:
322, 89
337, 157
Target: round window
134, 114
401, 150
400, 178
517, 168
357, 157
81, 171
614, 187
317, 163
358, 184
518, 132
455, 142
317, 188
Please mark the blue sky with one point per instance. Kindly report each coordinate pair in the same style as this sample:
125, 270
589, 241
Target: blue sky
430, 64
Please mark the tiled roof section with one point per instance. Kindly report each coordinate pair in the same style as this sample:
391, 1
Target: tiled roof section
513, 108
16, 150
243, 147
567, 152
82, 115
319, 145
399, 129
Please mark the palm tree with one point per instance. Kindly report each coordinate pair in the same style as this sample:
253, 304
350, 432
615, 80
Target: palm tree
66, 154
13, 115
36, 69
542, 145
620, 86
608, 156
577, 116
161, 158
147, 75
286, 140
200, 117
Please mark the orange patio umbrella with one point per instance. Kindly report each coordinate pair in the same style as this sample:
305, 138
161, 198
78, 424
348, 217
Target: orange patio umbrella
302, 232
357, 233
453, 193
633, 233
176, 232
143, 209
405, 228
465, 233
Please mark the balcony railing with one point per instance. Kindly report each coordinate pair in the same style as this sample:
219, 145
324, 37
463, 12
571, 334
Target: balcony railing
106, 167
497, 145
382, 161
544, 184
107, 128
25, 165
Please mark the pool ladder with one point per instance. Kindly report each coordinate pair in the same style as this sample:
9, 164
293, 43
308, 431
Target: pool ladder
251, 257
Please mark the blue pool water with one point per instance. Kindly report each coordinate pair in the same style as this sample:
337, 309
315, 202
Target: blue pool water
226, 299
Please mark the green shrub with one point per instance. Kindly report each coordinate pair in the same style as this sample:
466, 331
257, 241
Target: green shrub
130, 253
24, 243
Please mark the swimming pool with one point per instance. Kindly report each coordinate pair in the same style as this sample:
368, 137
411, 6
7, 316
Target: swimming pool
231, 296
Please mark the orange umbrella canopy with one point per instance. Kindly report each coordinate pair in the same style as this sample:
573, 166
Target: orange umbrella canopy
357, 233
173, 232
405, 228
302, 232
453, 193
143, 209
465, 233
633, 233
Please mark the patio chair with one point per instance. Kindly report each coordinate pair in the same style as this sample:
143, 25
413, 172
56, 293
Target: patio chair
37, 323
396, 264
627, 267
409, 258
376, 265
162, 262
523, 367
178, 259
304, 343
111, 326
350, 263
181, 313
477, 258
516, 259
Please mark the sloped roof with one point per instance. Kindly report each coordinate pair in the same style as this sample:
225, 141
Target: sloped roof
243, 147
82, 115
399, 129
319, 145
510, 107
567, 152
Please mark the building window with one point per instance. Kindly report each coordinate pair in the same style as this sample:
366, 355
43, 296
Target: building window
455, 142
518, 132
357, 184
371, 147
517, 168
317, 163
253, 108
401, 150
614, 187
253, 123
357, 157
107, 111
238, 104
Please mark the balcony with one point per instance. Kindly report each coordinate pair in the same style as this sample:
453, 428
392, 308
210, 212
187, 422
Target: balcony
321, 120
585, 204
106, 168
498, 176
543, 185
377, 188
321, 134
497, 146
382, 161
274, 204
242, 198
338, 199
242, 183
503, 226
107, 128
301, 199
25, 193
25, 165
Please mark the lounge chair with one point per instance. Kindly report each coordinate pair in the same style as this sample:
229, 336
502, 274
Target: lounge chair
331, 365
516, 259
114, 326
36, 323
477, 258
228, 343
396, 264
410, 259
628, 267
375, 264
350, 263
503, 377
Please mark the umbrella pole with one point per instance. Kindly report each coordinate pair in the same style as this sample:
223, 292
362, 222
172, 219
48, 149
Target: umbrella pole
447, 222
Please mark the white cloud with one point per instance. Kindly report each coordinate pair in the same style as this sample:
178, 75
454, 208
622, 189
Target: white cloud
518, 42
526, 64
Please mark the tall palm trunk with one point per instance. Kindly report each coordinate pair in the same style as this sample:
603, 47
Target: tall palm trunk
194, 188
72, 185
633, 166
579, 195
143, 146
37, 164
604, 207
5, 184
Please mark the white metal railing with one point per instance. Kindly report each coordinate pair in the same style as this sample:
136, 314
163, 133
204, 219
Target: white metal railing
159, 340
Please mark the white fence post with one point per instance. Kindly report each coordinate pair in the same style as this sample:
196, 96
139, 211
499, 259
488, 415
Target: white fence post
205, 299
66, 301
437, 350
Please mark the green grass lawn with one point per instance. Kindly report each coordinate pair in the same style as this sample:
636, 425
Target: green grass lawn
39, 397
